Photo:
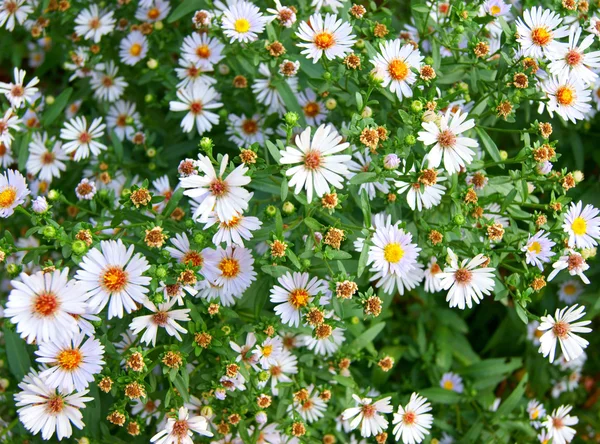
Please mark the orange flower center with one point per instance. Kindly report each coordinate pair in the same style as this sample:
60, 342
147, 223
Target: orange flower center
8, 196
463, 276
94, 23
409, 418
85, 137
196, 107
114, 279
46, 304
203, 51
312, 160
160, 318
250, 126
311, 109
398, 69
324, 40
135, 50
69, 359
218, 187
193, 258
229, 267
180, 429
541, 36
565, 95
447, 139
368, 410
561, 329
55, 404
17, 91
573, 58
153, 13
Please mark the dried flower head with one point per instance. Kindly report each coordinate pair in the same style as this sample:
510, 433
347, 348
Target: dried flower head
372, 306
345, 289
435, 237
172, 359
135, 362
278, 248
135, 390
495, 232
203, 339
155, 238
140, 197
334, 238
386, 363
116, 418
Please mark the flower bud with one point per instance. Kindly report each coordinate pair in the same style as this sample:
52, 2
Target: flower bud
53, 195
39, 205
416, 106
151, 167
429, 60
148, 98
367, 112
206, 143
159, 25
206, 411
263, 376
199, 238
578, 176
50, 100
503, 155
271, 211
152, 64
354, 320
189, 223
158, 298
291, 118
331, 104
288, 208
49, 232
459, 219
410, 139
161, 272
151, 152
79, 247
391, 161
13, 269
224, 69
327, 75
360, 43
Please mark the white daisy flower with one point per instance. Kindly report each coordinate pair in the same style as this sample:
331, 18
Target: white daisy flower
368, 415
43, 162
538, 31
134, 48
361, 163
496, 8
123, 119
13, 191
72, 364
536, 412
394, 64
86, 189
242, 21
106, 84
433, 283
309, 405
18, 93
176, 291
570, 60
232, 268
325, 36
266, 90
202, 49
533, 334
392, 251
92, 23
197, 99
573, 262
392, 282
561, 328
568, 98
538, 249
147, 409
72, 109
319, 166
452, 381
153, 12
412, 423
223, 195
113, 274
285, 15
466, 281
235, 230
494, 213
268, 351
283, 366
455, 150
426, 192
244, 352
324, 346
569, 291
181, 429
314, 109
582, 225
202, 19
13, 12
82, 140
42, 306
10, 121
293, 294
183, 252
594, 27
559, 423
162, 317
244, 130
6, 155
43, 409
334, 5
190, 72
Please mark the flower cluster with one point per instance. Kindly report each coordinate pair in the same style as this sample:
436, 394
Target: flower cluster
267, 222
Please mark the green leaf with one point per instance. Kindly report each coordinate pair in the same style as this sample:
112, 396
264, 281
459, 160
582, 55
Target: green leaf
339, 255
275, 270
290, 100
293, 258
313, 224
440, 395
117, 145
359, 101
273, 150
521, 313
24, 151
489, 145
362, 260
488, 367
363, 178
367, 337
53, 111
284, 188
182, 387
513, 400
173, 201
186, 7
365, 206
17, 354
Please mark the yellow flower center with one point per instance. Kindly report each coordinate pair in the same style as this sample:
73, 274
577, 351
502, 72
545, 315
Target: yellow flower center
398, 69
69, 359
393, 253
203, 51
242, 25
298, 298
324, 40
8, 197
153, 13
229, 267
535, 413
114, 279
565, 95
535, 247
570, 289
135, 50
495, 10
267, 350
579, 226
448, 385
